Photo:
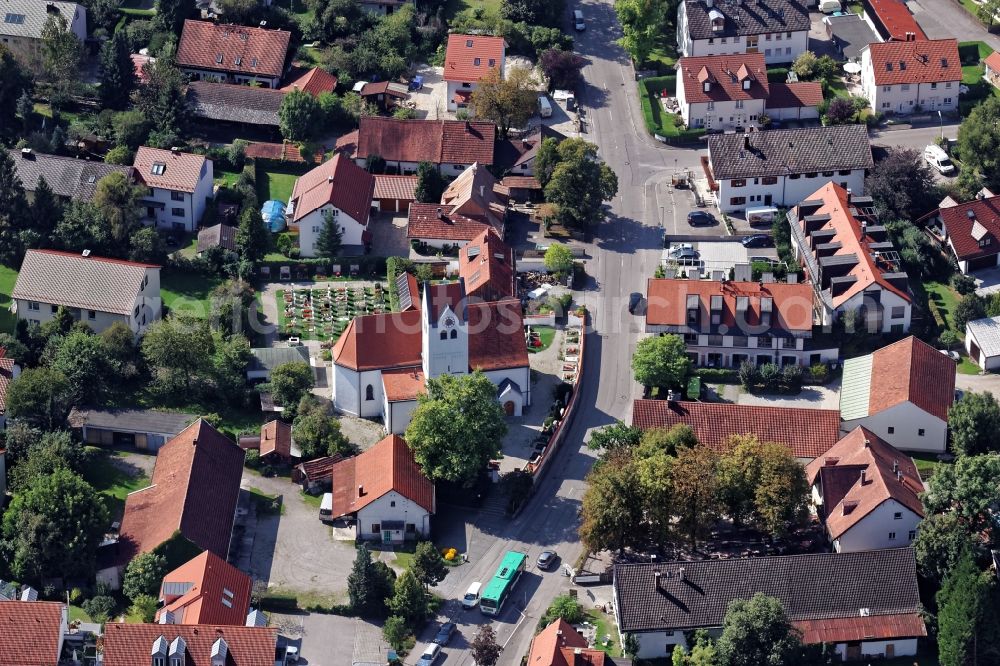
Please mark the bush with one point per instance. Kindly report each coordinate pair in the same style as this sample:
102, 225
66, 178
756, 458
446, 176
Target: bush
747, 375
769, 375
253, 459
948, 339
792, 376
963, 284
718, 375
99, 608
819, 372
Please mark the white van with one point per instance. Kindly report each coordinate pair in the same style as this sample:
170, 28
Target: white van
578, 20
939, 159
326, 508
829, 6
471, 597
761, 216
544, 107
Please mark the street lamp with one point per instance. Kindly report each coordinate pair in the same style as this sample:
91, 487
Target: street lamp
941, 119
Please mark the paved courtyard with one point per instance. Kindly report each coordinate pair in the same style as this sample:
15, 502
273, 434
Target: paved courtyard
812, 397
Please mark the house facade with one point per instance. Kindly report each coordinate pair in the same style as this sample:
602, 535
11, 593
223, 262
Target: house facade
227, 53
337, 187
904, 77
23, 21
467, 59
851, 263
902, 393
782, 167
722, 92
96, 291
180, 187
726, 323
777, 29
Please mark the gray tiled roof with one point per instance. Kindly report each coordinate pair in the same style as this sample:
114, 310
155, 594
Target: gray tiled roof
234, 103
269, 358
67, 176
781, 152
34, 13
749, 17
92, 283
222, 235
818, 586
132, 420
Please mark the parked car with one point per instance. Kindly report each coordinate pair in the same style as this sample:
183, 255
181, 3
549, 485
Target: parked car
757, 240
686, 257
699, 218
578, 21
548, 558
634, 299
444, 633
429, 655
939, 159
953, 355
471, 597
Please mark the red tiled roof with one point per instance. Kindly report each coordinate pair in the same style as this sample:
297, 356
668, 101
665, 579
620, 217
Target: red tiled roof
131, 644
470, 57
138, 61
435, 141
489, 273
792, 304
963, 230
286, 152
31, 633
313, 81
808, 433
912, 371
896, 19
276, 437
925, 61
403, 384
838, 471
379, 341
425, 222
232, 48
547, 647
340, 182
181, 172
208, 577
871, 628
521, 182
397, 90
992, 61
401, 188
793, 95
496, 336
6, 377
725, 75
195, 485
388, 466
313, 470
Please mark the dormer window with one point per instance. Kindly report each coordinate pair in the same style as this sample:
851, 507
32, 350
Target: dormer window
902, 65
707, 86
888, 66
477, 62
766, 303
218, 59
493, 62
238, 61
692, 309
178, 648
746, 84
468, 43
158, 168
158, 655
253, 62
220, 650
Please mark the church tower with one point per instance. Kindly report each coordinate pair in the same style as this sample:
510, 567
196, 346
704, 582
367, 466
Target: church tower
445, 330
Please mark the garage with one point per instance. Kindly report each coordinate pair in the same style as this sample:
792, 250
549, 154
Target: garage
983, 262
394, 194
982, 342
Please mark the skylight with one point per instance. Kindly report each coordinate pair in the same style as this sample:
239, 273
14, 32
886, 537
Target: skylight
14, 19
158, 168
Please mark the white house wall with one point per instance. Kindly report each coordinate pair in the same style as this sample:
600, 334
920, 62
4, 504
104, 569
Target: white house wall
903, 98
410, 168
889, 300
399, 416
657, 644
872, 532
982, 360
906, 419
382, 510
520, 376
785, 191
350, 389
311, 224
786, 49
191, 206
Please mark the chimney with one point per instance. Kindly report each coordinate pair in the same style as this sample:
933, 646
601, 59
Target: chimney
746, 141
26, 153
656, 580
194, 442
175, 150
329, 178
482, 191
868, 443
361, 491
85, 253
263, 24
849, 194
680, 573
895, 465
864, 477
899, 475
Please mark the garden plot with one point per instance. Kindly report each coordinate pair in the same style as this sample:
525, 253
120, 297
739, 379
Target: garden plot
323, 313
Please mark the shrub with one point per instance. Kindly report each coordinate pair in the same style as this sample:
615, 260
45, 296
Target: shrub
253, 459
963, 284
769, 374
819, 372
747, 374
792, 376
948, 339
99, 608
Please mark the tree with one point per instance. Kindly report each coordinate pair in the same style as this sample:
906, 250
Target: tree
46, 211
563, 69
614, 437
974, 424
580, 184
509, 101
118, 199
611, 510
485, 649
15, 85
317, 432
143, 575
41, 397
971, 307
118, 78
330, 238
409, 601
170, 15
395, 632
175, 374
299, 115
229, 307
53, 526
902, 184
430, 184
562, 607
130, 129
230, 360
143, 608
642, 24
13, 206
940, 541
962, 606
804, 65
558, 259
695, 492
666, 440
979, 141
661, 361
46, 453
290, 382
757, 631
146, 246
457, 427
82, 360
252, 236
25, 105
839, 112
161, 99
61, 54
368, 586
546, 160
428, 565
239, 11
968, 488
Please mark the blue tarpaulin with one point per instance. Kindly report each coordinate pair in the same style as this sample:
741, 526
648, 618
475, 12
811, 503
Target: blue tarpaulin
273, 213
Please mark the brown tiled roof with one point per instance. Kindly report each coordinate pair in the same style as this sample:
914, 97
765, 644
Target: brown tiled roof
782, 151
992, 61
496, 335
6, 377
403, 384
234, 103
130, 644
195, 485
725, 76
469, 58
548, 645
287, 152
793, 95
222, 235
896, 19
922, 61
511, 153
435, 141
340, 182
397, 90
402, 188
31, 633
318, 468
791, 305
388, 466
276, 437
521, 182
313, 81
379, 341
473, 193
963, 230
181, 172
232, 48
871, 628
487, 266
425, 222
912, 371
806, 432
195, 592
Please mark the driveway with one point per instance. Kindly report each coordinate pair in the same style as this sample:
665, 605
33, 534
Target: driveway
389, 235
322, 640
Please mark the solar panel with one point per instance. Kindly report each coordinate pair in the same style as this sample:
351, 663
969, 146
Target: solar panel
403, 290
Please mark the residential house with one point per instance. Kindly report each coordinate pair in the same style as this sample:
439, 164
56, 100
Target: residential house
971, 230
21, 29
902, 393
265, 359
275, 443
143, 429
193, 494
314, 81
451, 145
782, 167
3, 471
232, 53
244, 106
204, 590
180, 187
385, 492
992, 69
866, 493
982, 342
863, 605
467, 59
33, 632
721, 92
68, 177
560, 644
385, 95
725, 322
892, 21
807, 433
394, 194
471, 204
339, 188
218, 235
488, 268
516, 157
128, 644
912, 76
382, 361
9, 371
777, 28
383, 7
95, 290
851, 263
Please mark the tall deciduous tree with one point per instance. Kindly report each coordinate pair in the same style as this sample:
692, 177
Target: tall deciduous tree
118, 78
611, 512
170, 14
428, 565
485, 649
61, 53
761, 482
661, 361
118, 199
457, 427
41, 397
546, 160
902, 184
979, 140
409, 601
177, 373
757, 631
430, 183
15, 82
968, 488
562, 68
509, 101
695, 491
317, 431
558, 259
642, 23
940, 541
299, 115
330, 238
144, 574
974, 424
614, 437
83, 360
290, 382
580, 184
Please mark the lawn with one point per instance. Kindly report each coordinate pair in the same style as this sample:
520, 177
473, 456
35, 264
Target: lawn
277, 183
110, 479
226, 178
313, 501
941, 301
455, 6
658, 121
605, 627
266, 503
7, 318
972, 54
188, 292
77, 613
546, 335
663, 57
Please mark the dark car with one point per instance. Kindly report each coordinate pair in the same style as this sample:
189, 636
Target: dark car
444, 633
634, 299
699, 218
757, 240
547, 559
